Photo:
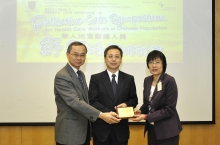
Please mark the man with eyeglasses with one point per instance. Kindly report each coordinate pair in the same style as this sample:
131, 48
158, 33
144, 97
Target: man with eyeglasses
109, 90
72, 126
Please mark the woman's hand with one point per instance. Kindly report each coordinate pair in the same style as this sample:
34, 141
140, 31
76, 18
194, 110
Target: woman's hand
139, 117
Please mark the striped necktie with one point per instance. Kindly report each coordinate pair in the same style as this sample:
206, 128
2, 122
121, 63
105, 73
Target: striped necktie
80, 78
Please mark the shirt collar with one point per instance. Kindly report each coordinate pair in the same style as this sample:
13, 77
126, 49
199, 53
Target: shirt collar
116, 75
74, 69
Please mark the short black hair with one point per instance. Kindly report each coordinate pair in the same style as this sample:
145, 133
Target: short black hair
75, 43
113, 47
154, 55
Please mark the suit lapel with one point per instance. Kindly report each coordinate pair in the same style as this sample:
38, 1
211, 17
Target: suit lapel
76, 81
107, 84
159, 80
121, 82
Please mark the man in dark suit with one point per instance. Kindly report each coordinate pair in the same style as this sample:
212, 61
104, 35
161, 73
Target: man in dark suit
71, 94
103, 96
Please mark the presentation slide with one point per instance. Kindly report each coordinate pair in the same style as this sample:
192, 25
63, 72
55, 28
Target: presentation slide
136, 26
35, 35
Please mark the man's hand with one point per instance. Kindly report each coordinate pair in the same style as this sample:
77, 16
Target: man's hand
110, 117
139, 117
136, 112
120, 106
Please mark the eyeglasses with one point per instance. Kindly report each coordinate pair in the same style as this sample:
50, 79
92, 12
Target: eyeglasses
114, 56
154, 62
76, 55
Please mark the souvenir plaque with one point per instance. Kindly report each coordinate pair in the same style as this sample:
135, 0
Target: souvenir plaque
125, 112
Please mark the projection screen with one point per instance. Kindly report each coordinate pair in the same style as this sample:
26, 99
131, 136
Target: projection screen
35, 35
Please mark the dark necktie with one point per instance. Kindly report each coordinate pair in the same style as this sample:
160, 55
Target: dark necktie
114, 84
80, 78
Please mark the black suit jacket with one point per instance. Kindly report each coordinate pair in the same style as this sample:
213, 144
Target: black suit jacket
101, 97
163, 107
